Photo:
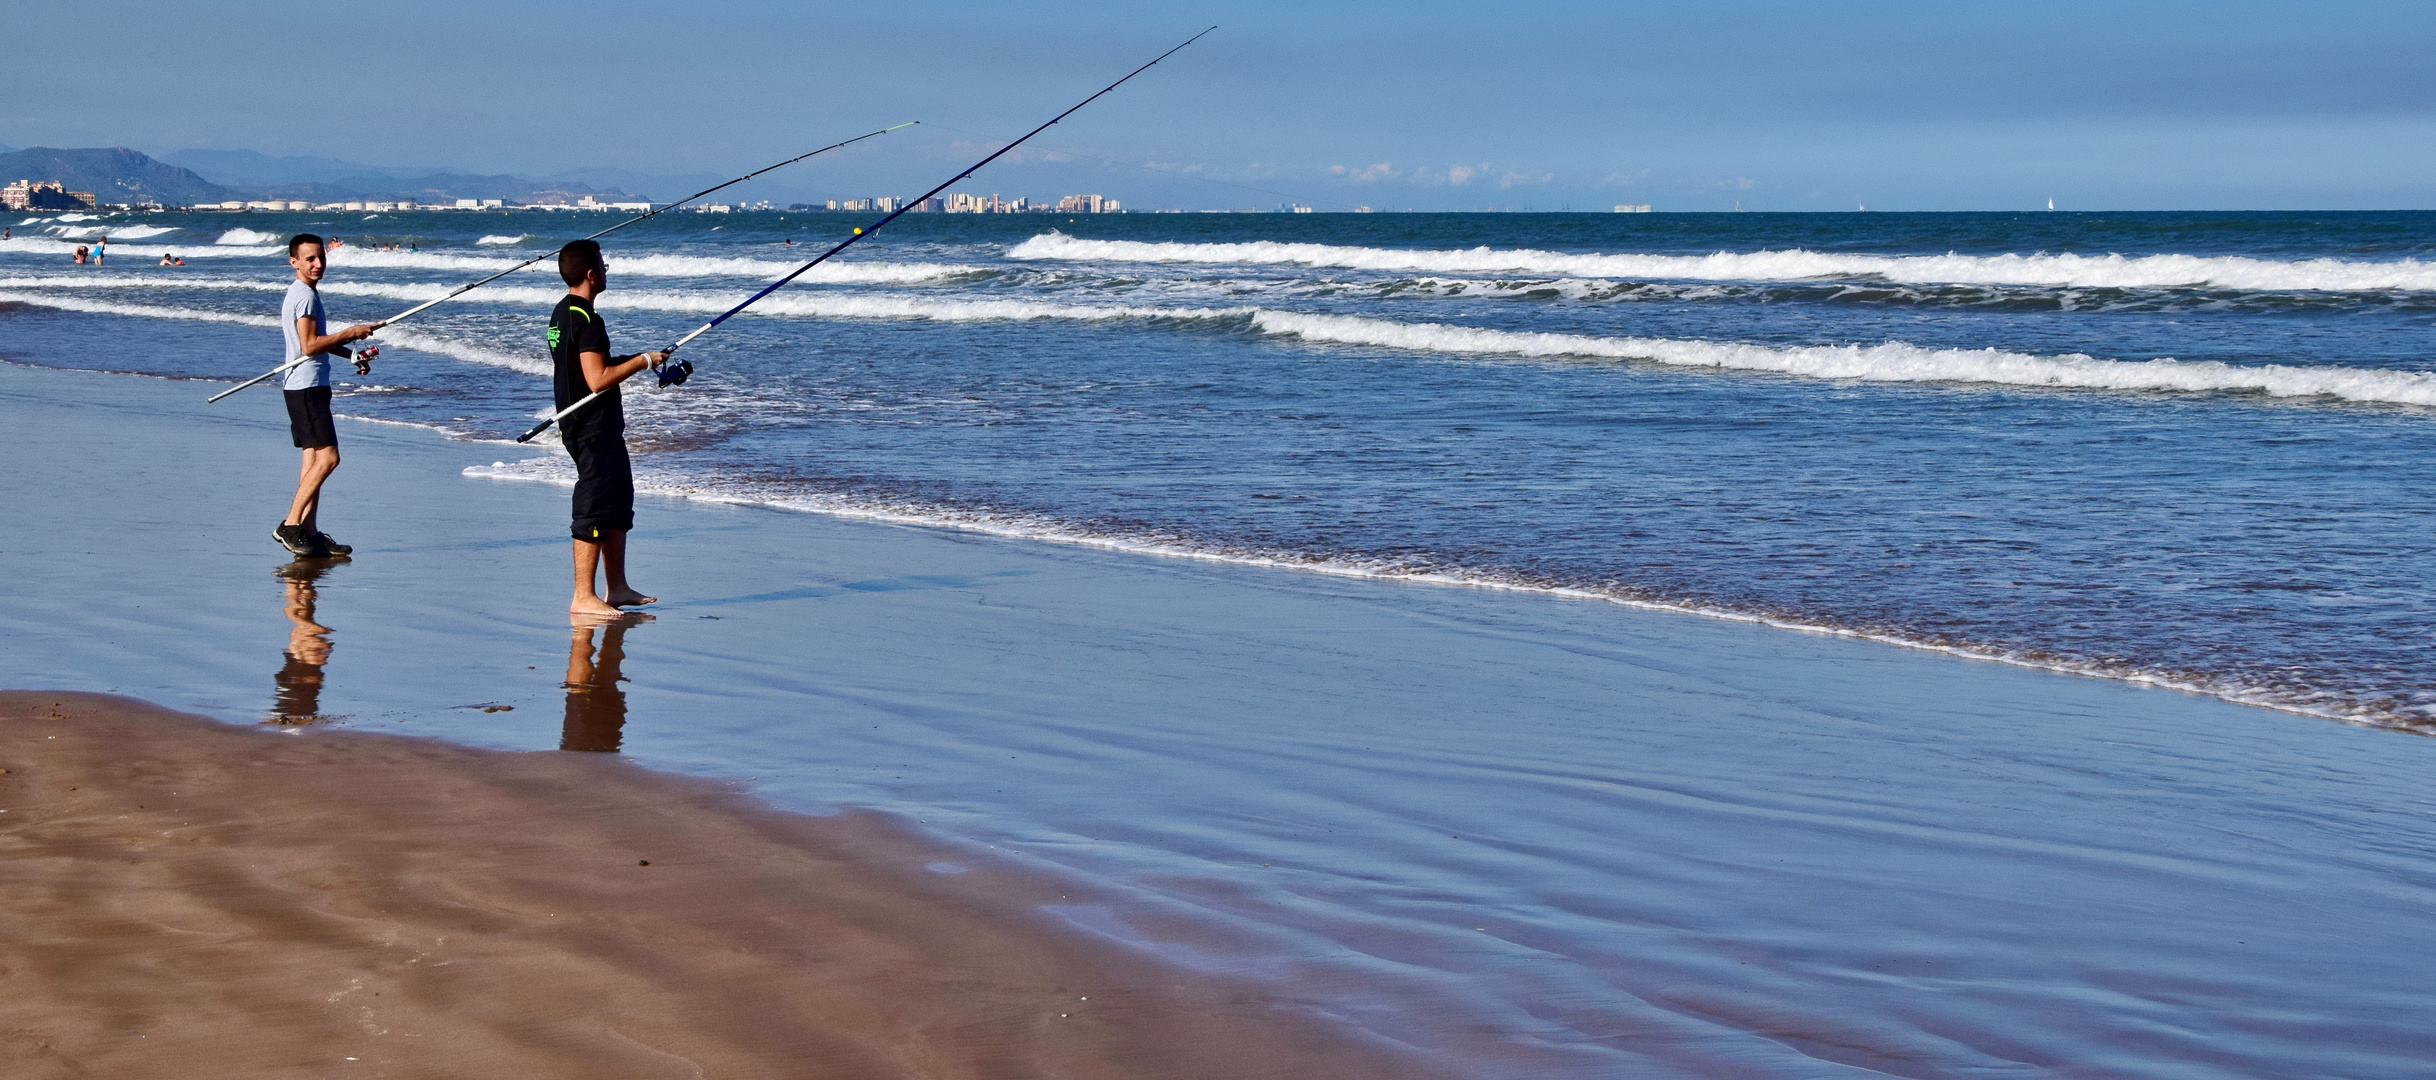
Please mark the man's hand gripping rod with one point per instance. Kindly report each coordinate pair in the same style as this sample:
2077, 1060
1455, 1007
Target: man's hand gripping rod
463, 289
670, 376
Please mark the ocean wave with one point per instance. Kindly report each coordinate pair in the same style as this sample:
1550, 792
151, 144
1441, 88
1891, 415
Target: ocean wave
115, 232
247, 236
1889, 362
504, 240
2099, 271
875, 273
141, 311
781, 304
1894, 362
529, 363
47, 247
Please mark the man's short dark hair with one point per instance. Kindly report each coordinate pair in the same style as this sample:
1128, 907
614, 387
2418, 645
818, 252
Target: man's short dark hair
303, 238
578, 258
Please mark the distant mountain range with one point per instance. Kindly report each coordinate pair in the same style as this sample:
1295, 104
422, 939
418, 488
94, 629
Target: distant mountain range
113, 175
123, 175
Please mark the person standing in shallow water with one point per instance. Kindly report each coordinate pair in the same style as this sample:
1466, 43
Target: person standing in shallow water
596, 435
307, 391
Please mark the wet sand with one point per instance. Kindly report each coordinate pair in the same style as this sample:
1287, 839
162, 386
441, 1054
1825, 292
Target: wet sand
187, 898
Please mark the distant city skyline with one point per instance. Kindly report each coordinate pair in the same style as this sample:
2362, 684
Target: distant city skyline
1428, 105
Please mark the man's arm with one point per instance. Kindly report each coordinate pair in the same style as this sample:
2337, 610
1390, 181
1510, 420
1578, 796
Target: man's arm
601, 372
331, 343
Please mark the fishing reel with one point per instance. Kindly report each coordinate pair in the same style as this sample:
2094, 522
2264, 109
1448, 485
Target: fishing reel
364, 357
675, 374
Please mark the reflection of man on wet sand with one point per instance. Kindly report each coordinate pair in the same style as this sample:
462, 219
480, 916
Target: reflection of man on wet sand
596, 705
298, 698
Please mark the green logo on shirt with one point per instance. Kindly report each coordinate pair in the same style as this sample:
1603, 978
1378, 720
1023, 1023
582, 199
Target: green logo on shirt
553, 337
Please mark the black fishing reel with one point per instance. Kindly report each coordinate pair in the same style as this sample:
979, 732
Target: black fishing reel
675, 374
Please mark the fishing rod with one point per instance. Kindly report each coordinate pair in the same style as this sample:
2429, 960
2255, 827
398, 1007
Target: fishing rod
463, 289
676, 375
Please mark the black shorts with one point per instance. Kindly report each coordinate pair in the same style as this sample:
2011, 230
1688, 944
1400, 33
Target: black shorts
604, 487
309, 417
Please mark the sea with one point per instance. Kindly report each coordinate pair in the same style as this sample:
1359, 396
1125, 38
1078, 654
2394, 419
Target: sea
1560, 645
2190, 450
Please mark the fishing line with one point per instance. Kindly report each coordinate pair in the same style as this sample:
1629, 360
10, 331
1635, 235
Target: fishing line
463, 289
675, 374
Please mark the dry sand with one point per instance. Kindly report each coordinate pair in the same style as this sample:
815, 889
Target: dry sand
186, 898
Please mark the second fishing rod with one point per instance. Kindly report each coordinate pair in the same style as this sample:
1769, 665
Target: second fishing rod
670, 375
471, 286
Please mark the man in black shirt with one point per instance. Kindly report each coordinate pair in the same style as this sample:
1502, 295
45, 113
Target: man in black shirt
595, 435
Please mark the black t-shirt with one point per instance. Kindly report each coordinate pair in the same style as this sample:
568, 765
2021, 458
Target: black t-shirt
575, 329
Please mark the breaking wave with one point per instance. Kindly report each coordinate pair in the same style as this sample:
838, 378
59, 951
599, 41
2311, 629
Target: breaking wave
141, 311
246, 236
528, 363
1889, 362
2094, 271
120, 232
503, 241
876, 273
1892, 361
52, 247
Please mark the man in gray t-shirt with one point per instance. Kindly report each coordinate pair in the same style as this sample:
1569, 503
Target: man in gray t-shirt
307, 390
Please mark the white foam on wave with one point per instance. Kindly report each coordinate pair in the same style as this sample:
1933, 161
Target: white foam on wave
502, 241
52, 247
142, 311
119, 232
1894, 361
2085, 271
781, 304
1889, 362
877, 273
246, 236
853, 306
529, 363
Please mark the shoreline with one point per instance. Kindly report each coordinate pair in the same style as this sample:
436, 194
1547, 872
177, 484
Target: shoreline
1524, 836
198, 899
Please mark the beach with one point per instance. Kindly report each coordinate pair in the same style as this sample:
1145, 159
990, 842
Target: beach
1499, 832
187, 898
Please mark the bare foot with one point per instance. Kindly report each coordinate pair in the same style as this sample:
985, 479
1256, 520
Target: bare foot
631, 598
592, 605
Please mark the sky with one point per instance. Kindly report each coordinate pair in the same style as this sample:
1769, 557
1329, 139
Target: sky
1421, 104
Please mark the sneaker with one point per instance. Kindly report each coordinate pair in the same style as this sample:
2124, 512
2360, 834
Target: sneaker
299, 543
332, 546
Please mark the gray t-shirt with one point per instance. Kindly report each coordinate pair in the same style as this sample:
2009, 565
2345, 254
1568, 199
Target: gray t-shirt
303, 300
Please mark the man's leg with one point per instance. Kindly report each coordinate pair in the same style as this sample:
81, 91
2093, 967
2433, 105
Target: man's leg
613, 554
587, 601
319, 463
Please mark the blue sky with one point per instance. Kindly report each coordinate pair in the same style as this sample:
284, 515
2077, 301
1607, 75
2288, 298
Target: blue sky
1776, 106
